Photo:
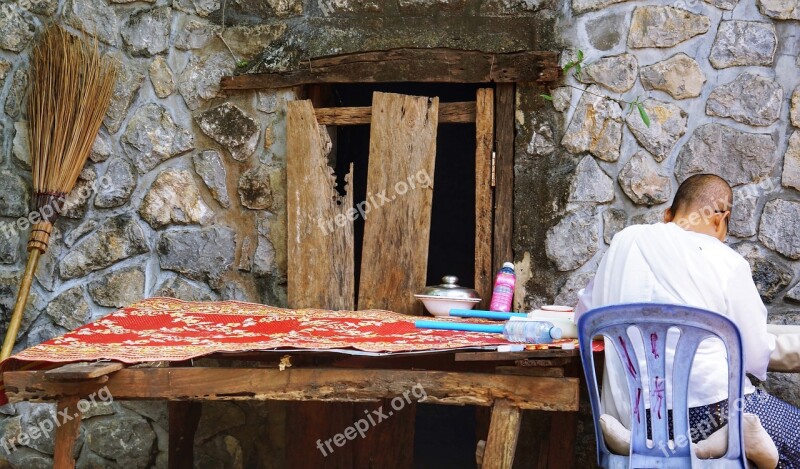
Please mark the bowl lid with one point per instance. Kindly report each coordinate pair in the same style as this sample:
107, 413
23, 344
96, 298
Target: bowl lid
449, 288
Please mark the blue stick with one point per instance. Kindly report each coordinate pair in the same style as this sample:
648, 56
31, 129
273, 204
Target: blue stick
471, 313
459, 326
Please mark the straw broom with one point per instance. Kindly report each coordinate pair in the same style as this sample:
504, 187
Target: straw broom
71, 88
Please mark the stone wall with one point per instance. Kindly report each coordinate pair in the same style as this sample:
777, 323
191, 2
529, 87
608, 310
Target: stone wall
719, 81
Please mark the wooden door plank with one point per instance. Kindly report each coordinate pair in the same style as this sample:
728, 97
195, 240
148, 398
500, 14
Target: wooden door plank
449, 113
503, 434
402, 154
484, 145
320, 235
441, 65
504, 174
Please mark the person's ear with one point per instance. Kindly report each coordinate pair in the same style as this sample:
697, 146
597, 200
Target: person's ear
668, 215
721, 224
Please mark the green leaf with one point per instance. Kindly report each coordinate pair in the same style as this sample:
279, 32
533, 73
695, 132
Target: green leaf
242, 63
578, 71
580, 56
643, 114
546, 96
568, 66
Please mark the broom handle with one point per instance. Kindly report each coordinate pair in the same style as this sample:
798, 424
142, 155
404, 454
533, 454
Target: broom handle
19, 306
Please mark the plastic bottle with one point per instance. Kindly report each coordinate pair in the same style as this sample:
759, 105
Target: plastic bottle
503, 292
531, 332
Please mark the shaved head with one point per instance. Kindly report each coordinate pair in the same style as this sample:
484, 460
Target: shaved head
702, 192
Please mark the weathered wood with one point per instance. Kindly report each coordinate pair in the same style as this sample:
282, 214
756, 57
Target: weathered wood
484, 145
184, 416
337, 385
545, 362
561, 448
410, 65
82, 371
553, 372
503, 435
514, 356
320, 234
504, 174
402, 156
449, 113
69, 425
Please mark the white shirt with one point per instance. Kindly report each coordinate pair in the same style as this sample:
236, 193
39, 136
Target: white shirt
664, 263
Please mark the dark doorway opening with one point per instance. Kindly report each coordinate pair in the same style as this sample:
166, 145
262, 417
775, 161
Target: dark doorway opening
445, 436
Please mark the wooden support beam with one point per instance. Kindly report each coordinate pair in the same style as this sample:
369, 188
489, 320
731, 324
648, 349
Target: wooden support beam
449, 113
184, 416
503, 434
336, 385
504, 174
69, 425
410, 65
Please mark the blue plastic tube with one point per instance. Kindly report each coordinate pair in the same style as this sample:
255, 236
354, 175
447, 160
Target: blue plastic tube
459, 326
471, 313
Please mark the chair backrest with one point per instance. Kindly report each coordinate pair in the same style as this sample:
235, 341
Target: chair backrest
653, 321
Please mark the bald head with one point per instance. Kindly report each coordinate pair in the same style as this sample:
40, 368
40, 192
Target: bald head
702, 192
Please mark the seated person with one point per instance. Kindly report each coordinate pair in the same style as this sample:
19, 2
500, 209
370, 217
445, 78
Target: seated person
685, 261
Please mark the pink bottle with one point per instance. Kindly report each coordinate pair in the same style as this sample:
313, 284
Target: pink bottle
503, 292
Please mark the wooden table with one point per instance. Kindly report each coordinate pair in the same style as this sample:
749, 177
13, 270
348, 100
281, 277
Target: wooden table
507, 382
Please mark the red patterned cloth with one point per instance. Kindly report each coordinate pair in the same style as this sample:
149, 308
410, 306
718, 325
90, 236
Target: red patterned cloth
165, 329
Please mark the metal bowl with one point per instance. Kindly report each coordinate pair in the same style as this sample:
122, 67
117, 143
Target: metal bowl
440, 299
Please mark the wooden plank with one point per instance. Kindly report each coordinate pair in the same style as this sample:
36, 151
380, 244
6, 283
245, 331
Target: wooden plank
184, 416
553, 372
335, 385
484, 145
503, 434
545, 362
449, 113
402, 154
320, 234
82, 371
509, 356
504, 174
68, 427
441, 65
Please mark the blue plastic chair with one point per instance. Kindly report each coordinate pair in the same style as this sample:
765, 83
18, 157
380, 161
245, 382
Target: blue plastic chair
653, 321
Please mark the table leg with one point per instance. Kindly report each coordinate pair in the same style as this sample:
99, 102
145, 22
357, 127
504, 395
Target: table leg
503, 433
69, 420
184, 416
561, 448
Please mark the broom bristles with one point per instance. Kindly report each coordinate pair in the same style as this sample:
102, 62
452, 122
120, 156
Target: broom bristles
70, 92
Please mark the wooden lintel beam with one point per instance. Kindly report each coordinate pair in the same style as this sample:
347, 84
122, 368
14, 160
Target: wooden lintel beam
409, 65
537, 393
449, 113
